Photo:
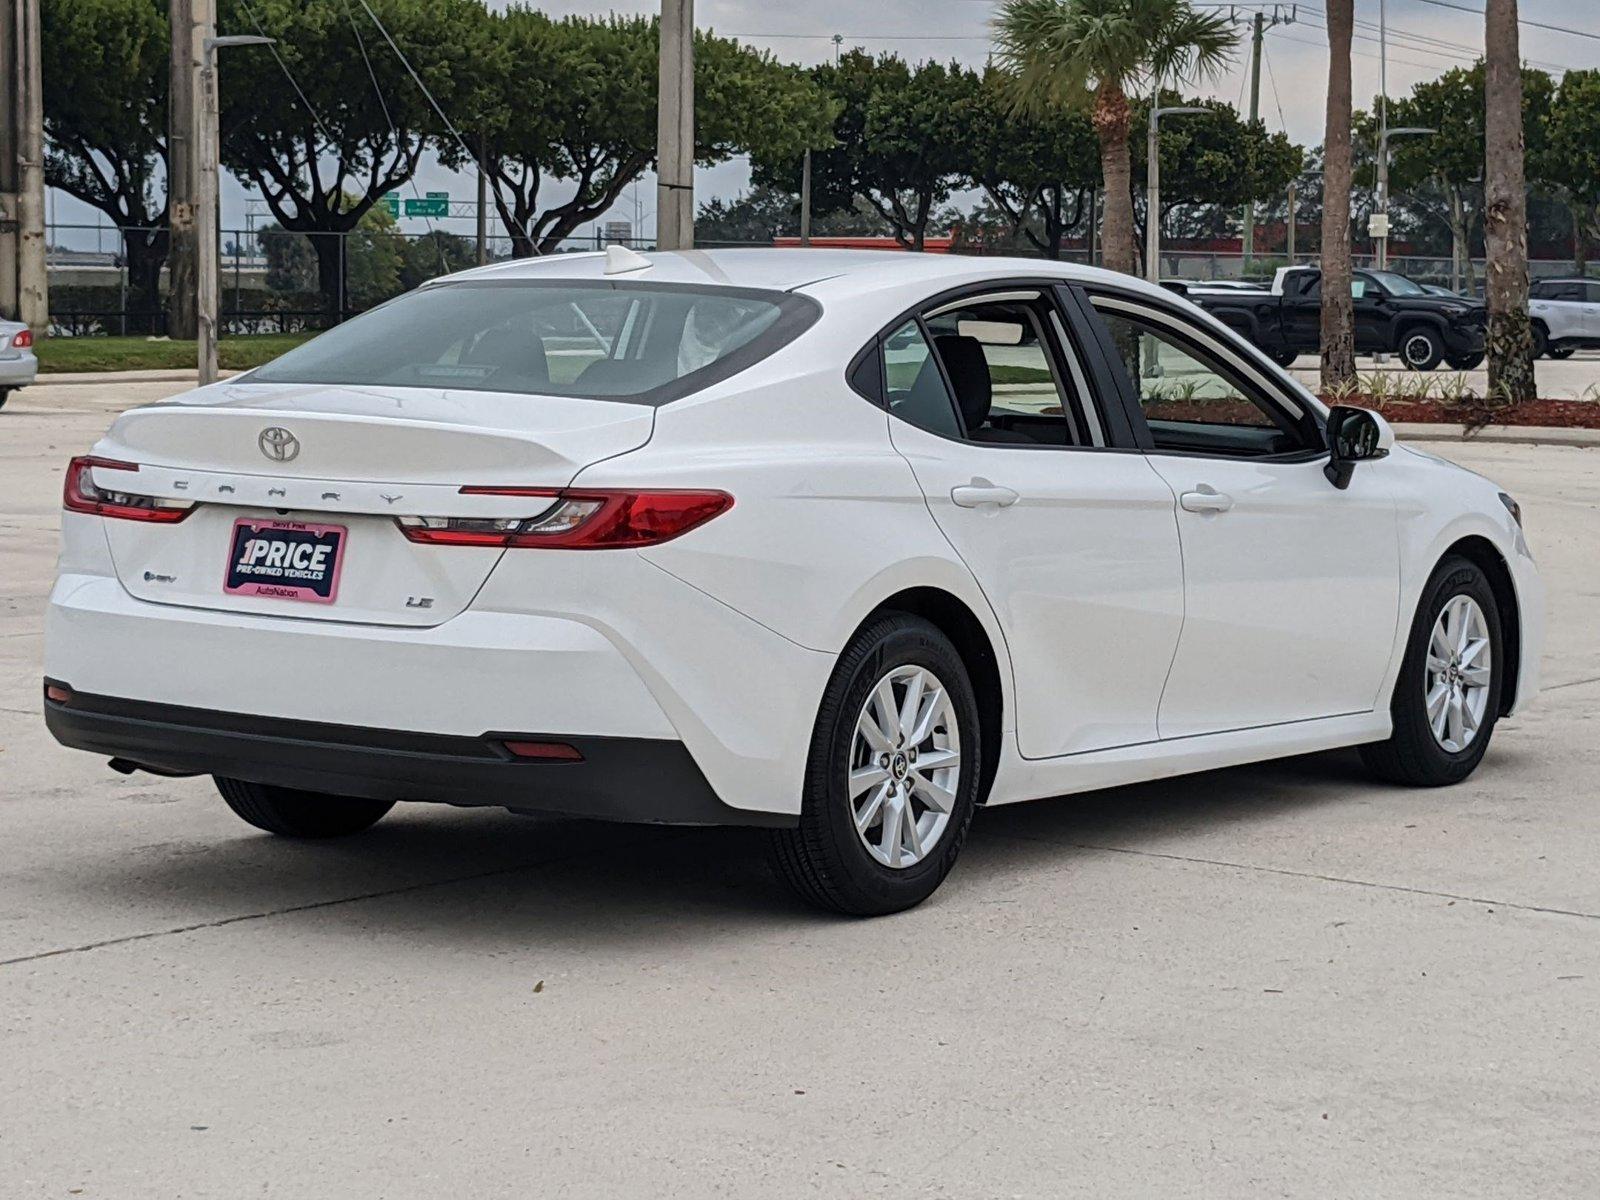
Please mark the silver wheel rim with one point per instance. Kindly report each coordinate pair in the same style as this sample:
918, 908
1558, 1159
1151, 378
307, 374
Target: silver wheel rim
1418, 350
905, 767
1460, 667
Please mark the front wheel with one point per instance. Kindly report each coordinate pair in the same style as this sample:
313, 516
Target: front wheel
5, 394
892, 777
1421, 349
1562, 351
1447, 697
1284, 358
1466, 362
290, 812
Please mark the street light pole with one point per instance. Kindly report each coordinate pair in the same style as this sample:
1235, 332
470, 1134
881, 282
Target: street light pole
1385, 136
1152, 214
206, 152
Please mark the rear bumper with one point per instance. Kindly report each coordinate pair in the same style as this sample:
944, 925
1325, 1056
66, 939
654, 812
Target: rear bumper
19, 371
651, 780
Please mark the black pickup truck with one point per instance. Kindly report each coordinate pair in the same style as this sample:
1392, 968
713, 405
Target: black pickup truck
1393, 315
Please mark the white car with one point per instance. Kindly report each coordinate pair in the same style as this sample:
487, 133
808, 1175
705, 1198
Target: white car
840, 543
1565, 315
18, 364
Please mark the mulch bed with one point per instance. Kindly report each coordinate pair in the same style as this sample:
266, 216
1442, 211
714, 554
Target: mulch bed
1563, 414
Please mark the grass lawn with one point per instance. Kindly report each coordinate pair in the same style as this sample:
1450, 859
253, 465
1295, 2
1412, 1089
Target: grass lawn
143, 354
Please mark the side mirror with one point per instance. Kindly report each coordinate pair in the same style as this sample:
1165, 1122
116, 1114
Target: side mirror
1354, 435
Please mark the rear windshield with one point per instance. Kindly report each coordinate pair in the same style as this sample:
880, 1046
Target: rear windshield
630, 341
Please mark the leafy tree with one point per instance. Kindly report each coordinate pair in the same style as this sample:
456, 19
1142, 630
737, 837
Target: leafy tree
1510, 338
323, 161
1217, 159
1074, 53
766, 212
903, 137
579, 107
435, 253
105, 116
1040, 171
1570, 157
374, 254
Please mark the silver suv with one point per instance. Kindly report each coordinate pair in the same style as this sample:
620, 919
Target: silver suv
1566, 316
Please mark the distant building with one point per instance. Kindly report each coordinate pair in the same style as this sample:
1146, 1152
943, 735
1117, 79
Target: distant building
618, 233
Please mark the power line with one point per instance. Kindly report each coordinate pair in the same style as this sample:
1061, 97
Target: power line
1478, 12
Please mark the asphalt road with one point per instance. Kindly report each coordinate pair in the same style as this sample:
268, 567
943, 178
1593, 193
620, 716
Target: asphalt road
1275, 981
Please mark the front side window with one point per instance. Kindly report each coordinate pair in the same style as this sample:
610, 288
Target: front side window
611, 341
1192, 399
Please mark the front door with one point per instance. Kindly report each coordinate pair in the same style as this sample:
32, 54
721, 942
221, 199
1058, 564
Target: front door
1072, 539
1291, 586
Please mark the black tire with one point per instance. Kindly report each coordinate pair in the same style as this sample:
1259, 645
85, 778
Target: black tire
1412, 755
1541, 341
824, 860
1421, 348
1284, 358
290, 812
1562, 351
5, 394
1466, 362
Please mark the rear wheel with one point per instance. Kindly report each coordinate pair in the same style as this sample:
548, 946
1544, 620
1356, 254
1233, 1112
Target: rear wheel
1284, 358
1541, 341
290, 812
1466, 362
1562, 351
5, 394
892, 777
1421, 349
1448, 695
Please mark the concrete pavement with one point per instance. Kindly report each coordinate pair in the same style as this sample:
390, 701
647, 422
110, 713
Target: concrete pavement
1279, 980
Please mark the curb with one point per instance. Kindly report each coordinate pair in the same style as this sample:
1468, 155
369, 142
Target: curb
72, 378
1504, 435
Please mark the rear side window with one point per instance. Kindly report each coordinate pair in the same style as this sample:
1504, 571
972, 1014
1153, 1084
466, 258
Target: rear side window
629, 341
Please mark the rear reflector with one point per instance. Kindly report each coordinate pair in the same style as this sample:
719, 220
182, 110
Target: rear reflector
57, 694
548, 751
80, 495
575, 519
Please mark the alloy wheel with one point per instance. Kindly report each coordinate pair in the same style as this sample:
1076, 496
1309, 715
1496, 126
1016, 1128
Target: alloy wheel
1459, 669
905, 766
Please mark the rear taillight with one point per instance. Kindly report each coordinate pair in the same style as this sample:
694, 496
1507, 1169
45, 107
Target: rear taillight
23, 339
575, 519
80, 495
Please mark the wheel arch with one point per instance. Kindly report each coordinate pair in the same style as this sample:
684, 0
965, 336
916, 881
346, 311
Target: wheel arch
955, 619
1483, 554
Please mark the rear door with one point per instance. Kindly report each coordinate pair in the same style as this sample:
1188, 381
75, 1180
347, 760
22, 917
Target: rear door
1291, 586
1067, 530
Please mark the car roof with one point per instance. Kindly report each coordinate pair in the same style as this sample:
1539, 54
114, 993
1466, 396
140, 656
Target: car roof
789, 268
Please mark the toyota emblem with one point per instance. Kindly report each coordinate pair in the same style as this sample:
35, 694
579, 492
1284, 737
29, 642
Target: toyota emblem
278, 444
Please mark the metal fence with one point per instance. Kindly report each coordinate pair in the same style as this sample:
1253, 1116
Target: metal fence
109, 281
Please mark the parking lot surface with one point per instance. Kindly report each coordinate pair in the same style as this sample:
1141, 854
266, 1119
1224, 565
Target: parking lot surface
1277, 980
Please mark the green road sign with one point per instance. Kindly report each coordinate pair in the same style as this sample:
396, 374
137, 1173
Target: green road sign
436, 204
391, 201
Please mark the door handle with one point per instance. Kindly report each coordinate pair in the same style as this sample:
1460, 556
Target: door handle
978, 495
1205, 500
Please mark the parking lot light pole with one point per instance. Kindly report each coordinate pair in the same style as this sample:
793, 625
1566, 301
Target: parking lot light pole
205, 154
1152, 215
1385, 136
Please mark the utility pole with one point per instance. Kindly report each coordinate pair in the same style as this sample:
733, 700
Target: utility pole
24, 279
1288, 235
805, 200
206, 153
1259, 26
675, 128
1152, 206
483, 200
183, 83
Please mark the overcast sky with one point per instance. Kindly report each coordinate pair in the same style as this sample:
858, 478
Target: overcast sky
1426, 37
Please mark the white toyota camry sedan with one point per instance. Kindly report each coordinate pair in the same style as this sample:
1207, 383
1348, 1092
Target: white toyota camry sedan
843, 544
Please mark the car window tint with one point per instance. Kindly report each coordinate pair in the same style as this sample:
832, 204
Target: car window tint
916, 390
1592, 291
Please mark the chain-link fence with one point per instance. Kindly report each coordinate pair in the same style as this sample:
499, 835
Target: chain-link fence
109, 281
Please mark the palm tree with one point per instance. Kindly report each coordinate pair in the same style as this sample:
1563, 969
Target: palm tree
1338, 309
1505, 216
1062, 53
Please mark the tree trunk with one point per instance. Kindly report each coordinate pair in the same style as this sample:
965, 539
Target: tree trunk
329, 249
145, 251
1112, 120
1458, 235
1510, 342
1580, 240
1338, 308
